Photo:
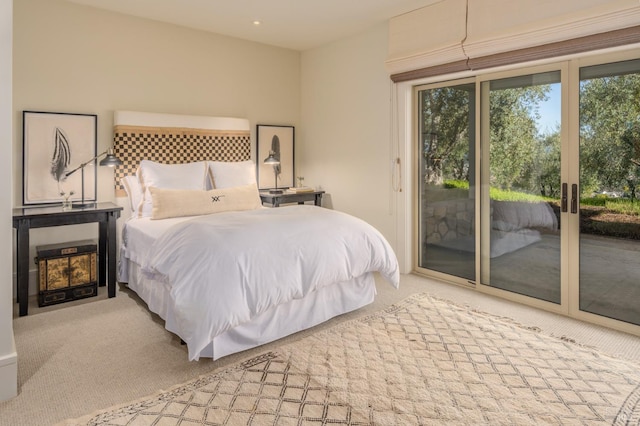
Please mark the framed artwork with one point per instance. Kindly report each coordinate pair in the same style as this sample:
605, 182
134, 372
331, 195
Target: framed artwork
278, 140
54, 145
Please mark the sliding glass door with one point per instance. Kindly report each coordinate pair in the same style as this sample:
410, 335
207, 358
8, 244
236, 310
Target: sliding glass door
522, 187
529, 186
609, 278
446, 179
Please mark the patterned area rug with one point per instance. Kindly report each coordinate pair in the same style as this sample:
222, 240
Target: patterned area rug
423, 361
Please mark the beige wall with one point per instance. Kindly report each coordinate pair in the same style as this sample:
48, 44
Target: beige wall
345, 126
72, 58
8, 357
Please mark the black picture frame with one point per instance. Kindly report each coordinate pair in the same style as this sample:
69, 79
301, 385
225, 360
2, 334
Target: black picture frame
275, 138
54, 144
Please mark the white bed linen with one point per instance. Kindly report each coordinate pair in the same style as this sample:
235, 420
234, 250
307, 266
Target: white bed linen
140, 233
239, 301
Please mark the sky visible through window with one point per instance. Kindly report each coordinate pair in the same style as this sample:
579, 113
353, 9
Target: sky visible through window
550, 111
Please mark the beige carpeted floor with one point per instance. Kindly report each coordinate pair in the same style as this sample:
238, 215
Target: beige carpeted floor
82, 357
422, 361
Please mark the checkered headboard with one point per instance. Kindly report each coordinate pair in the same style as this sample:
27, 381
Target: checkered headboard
174, 145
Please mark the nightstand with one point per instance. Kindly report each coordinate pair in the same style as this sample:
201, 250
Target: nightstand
26, 218
287, 197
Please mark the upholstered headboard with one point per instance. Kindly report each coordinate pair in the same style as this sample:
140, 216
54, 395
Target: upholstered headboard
174, 139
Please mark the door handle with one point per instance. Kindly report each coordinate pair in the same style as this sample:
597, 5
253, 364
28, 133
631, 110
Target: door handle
564, 202
574, 198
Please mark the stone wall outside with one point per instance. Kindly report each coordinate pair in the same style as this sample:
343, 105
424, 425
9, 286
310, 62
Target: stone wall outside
447, 220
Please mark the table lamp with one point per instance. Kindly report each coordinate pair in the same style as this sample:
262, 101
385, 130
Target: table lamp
273, 161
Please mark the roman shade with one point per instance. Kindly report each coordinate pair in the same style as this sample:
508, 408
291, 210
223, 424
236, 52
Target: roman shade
457, 35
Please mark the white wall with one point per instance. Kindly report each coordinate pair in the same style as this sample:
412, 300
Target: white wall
345, 133
78, 59
8, 357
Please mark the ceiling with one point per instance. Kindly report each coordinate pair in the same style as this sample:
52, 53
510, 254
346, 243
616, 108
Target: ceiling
292, 24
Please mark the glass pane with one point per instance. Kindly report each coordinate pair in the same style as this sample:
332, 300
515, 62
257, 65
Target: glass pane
609, 190
446, 187
523, 225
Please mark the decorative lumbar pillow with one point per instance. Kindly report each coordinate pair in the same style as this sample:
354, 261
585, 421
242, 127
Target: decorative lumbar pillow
168, 176
180, 202
229, 174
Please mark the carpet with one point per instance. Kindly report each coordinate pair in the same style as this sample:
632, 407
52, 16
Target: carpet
422, 361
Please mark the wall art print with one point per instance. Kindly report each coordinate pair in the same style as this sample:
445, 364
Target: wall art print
54, 144
280, 140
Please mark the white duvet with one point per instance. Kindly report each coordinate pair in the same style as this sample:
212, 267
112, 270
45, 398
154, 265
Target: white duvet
224, 269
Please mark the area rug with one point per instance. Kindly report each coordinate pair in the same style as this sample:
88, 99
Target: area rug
421, 362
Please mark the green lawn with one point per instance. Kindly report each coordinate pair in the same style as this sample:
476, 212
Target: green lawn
612, 217
615, 205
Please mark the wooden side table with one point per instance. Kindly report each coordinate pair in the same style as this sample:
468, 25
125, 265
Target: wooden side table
26, 218
287, 197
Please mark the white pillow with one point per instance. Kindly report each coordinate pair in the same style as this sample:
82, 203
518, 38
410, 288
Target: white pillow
171, 176
192, 202
132, 187
227, 174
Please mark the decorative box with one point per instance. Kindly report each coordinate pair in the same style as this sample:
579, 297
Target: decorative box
67, 272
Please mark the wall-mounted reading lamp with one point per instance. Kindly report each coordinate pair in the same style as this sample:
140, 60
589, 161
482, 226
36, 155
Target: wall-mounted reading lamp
110, 161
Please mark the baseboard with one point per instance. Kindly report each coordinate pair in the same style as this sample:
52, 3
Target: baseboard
9, 375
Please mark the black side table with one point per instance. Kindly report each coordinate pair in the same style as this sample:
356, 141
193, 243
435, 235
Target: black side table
26, 218
288, 197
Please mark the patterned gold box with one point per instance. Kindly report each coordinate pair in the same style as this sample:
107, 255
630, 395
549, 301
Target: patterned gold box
67, 271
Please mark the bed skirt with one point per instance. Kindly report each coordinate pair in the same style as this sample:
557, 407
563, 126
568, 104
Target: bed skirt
277, 322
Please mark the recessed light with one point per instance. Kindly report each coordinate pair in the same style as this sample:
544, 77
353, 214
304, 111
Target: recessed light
256, 22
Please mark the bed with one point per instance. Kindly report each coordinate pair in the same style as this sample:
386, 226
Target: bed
223, 272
